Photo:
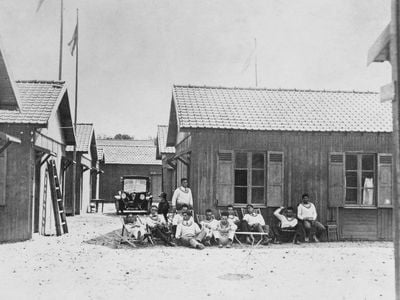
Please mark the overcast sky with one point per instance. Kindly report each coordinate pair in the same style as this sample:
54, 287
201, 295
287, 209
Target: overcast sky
133, 51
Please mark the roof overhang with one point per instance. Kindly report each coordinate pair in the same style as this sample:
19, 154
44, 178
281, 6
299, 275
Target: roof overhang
8, 140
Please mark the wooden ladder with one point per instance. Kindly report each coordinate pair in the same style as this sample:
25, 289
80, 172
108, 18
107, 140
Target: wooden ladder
44, 205
58, 206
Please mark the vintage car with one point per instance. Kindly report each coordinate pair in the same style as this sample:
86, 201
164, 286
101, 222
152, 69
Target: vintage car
134, 196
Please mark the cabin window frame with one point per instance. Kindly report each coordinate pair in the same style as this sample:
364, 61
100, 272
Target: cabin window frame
359, 171
250, 170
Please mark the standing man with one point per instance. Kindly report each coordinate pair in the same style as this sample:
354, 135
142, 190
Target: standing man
182, 195
307, 213
163, 206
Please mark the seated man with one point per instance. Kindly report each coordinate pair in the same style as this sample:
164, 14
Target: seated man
307, 213
232, 217
288, 220
178, 218
253, 221
225, 231
209, 225
135, 226
158, 226
189, 233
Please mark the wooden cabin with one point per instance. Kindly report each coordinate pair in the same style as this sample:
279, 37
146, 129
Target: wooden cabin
87, 170
269, 146
166, 155
37, 114
128, 157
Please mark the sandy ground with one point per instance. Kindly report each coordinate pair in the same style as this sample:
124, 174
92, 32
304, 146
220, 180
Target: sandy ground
88, 263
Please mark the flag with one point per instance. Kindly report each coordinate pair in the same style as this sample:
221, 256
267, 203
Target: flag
39, 5
248, 60
72, 43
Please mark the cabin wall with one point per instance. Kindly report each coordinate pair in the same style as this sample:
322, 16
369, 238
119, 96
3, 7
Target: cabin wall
110, 181
305, 170
16, 215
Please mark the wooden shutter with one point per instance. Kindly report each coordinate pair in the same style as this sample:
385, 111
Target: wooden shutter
3, 177
275, 178
336, 187
225, 178
384, 183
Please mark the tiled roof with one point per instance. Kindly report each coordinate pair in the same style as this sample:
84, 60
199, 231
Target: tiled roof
37, 101
281, 110
162, 131
83, 134
129, 152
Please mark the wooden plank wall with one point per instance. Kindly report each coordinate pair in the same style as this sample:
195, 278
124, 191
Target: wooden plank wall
356, 224
16, 215
306, 159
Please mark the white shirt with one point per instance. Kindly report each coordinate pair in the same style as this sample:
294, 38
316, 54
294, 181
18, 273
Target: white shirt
153, 221
182, 196
254, 219
306, 211
189, 230
177, 219
209, 224
285, 222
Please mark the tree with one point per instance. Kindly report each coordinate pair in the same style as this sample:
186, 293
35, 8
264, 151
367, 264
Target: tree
123, 136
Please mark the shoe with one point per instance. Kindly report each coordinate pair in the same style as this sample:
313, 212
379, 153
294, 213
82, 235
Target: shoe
307, 240
200, 246
296, 242
229, 244
316, 239
220, 246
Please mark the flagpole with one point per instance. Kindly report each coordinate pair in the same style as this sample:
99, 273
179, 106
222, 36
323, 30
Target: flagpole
255, 60
74, 171
61, 41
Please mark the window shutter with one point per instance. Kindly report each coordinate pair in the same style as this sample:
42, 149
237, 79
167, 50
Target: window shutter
336, 188
225, 178
275, 178
3, 177
385, 180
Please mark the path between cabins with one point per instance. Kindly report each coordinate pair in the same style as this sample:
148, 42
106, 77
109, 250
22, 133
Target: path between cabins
88, 263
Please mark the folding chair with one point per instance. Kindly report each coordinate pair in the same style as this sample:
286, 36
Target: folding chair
127, 235
244, 211
221, 210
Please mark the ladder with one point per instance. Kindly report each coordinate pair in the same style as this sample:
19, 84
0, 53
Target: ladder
58, 206
44, 205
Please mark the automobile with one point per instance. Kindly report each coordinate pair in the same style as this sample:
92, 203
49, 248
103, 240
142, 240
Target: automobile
134, 196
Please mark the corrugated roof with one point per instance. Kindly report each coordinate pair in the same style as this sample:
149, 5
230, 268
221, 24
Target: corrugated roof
162, 131
37, 101
129, 152
280, 110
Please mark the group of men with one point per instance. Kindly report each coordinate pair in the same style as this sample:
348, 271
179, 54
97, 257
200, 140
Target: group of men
186, 231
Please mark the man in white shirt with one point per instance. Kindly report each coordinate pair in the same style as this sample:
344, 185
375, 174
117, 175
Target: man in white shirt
189, 233
182, 195
253, 221
225, 231
307, 214
287, 221
209, 225
158, 226
178, 218
232, 217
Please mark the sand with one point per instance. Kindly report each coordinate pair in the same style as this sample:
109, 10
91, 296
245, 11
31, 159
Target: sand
89, 263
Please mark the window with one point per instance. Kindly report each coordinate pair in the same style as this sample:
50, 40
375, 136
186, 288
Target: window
249, 180
360, 179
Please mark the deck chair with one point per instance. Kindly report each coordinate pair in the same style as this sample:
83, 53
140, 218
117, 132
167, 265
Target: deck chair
244, 211
221, 210
127, 236
286, 233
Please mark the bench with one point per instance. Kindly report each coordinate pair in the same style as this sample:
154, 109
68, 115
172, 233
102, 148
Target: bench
261, 234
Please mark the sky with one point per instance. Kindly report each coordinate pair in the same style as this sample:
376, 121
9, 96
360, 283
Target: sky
132, 52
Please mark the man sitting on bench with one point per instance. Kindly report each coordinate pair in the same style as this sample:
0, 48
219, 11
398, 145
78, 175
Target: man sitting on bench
288, 221
209, 224
189, 233
225, 231
307, 213
158, 227
253, 221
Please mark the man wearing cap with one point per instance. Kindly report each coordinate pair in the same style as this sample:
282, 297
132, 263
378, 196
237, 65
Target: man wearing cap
158, 227
182, 195
163, 206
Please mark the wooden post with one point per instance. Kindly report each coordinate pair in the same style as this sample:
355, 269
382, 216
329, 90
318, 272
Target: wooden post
74, 170
395, 60
61, 41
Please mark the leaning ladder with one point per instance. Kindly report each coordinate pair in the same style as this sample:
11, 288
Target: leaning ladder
58, 206
44, 205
